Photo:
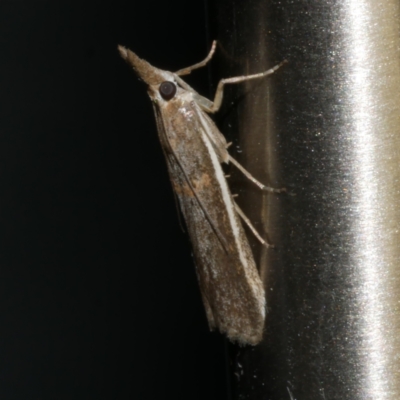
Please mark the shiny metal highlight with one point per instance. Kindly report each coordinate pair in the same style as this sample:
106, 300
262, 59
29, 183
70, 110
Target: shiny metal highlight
328, 129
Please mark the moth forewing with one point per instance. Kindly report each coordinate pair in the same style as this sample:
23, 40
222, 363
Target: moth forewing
230, 285
194, 149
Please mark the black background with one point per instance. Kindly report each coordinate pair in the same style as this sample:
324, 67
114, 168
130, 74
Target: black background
98, 292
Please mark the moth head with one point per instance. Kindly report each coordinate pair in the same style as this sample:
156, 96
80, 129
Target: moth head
164, 92
149, 74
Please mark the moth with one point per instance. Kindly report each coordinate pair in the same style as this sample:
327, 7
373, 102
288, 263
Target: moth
194, 149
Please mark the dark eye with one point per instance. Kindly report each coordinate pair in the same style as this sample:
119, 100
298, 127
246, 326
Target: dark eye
167, 90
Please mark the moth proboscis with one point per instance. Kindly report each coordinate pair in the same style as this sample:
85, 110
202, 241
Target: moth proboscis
194, 149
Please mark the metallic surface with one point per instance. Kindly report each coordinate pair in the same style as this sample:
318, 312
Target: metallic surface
326, 126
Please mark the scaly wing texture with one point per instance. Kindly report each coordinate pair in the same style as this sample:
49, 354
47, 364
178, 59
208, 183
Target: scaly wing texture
231, 288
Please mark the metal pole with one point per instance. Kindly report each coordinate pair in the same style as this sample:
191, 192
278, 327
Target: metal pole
326, 126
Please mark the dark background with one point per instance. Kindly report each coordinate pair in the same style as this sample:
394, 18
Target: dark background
98, 292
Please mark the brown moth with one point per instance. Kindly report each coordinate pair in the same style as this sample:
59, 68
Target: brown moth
194, 148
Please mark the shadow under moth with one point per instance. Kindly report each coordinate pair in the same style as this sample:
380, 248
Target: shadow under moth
194, 148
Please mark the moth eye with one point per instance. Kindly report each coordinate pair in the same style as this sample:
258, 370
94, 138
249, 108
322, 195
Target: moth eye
167, 90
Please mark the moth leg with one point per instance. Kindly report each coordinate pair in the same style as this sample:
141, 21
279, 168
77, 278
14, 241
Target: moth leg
251, 227
188, 70
237, 79
254, 180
